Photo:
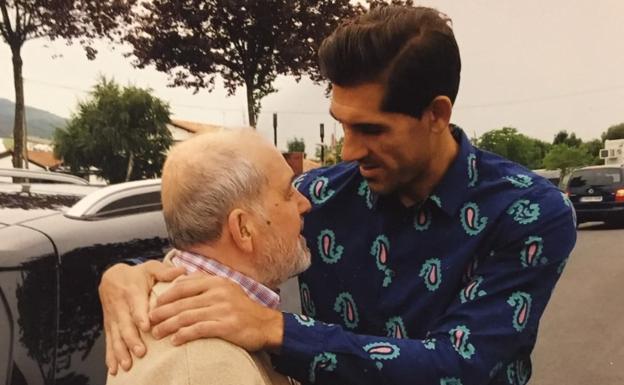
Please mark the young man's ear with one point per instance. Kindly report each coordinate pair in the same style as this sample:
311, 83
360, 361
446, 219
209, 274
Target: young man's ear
241, 228
439, 113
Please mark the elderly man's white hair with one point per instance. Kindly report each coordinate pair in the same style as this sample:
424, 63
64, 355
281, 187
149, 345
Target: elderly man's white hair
204, 179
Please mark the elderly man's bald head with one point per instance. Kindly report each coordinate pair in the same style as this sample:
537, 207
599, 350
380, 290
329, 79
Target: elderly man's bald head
206, 177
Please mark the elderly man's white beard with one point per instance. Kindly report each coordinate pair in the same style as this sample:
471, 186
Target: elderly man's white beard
281, 260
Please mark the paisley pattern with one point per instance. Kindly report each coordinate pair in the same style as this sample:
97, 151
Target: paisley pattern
319, 190
329, 251
429, 343
382, 351
472, 291
431, 273
304, 320
566, 199
471, 219
473, 174
436, 199
298, 180
422, 219
518, 373
531, 254
306, 300
346, 307
323, 361
568, 202
395, 328
470, 270
521, 301
496, 369
364, 191
450, 381
380, 250
520, 180
524, 212
459, 339
562, 266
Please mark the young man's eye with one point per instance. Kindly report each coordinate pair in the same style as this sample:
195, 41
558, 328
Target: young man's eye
370, 129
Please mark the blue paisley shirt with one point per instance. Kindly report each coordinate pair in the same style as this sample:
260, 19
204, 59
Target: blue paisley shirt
448, 292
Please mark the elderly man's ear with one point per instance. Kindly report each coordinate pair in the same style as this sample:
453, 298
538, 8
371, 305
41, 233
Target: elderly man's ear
242, 228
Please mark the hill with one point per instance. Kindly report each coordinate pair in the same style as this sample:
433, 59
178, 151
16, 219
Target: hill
40, 123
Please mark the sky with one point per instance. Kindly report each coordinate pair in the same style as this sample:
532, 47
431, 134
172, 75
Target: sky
538, 66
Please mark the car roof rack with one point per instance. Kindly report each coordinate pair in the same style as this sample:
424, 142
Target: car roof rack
42, 175
89, 207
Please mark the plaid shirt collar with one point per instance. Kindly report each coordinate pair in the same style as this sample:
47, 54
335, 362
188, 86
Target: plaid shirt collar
192, 262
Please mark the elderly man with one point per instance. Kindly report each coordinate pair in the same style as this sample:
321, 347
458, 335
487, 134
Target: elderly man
433, 261
232, 212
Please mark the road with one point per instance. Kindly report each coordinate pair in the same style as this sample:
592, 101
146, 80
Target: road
581, 338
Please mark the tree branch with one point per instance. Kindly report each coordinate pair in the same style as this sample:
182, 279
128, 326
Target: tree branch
7, 30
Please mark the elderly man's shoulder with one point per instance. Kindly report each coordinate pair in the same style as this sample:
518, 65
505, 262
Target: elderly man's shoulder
203, 361
216, 361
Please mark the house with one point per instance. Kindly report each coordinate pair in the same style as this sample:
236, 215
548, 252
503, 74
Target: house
37, 160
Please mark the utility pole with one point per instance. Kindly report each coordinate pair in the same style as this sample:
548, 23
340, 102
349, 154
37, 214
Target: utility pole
322, 144
275, 128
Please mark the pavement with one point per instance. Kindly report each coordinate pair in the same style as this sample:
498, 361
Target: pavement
581, 337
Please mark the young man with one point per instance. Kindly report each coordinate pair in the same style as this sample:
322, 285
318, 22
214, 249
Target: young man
232, 212
432, 261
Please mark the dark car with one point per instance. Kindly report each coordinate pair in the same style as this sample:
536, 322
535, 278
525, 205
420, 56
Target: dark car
598, 193
56, 239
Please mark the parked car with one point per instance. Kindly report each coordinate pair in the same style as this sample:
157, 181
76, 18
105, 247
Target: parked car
597, 193
55, 241
57, 236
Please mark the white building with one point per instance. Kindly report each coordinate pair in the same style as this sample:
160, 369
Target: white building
613, 153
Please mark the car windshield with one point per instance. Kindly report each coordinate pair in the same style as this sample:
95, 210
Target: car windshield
596, 177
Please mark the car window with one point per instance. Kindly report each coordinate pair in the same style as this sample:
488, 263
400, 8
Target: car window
596, 177
133, 204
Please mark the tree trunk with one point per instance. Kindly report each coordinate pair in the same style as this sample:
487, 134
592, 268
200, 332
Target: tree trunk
251, 105
19, 124
130, 167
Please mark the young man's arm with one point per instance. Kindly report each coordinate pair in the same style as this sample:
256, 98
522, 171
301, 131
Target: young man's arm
124, 291
493, 319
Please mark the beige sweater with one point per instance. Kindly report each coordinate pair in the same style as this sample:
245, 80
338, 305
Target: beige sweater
208, 361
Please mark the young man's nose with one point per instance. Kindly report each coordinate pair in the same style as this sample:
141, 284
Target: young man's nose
304, 203
353, 148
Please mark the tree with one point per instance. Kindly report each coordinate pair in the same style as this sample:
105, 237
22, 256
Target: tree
333, 153
592, 148
565, 158
508, 143
614, 132
248, 43
296, 145
120, 131
562, 137
23, 20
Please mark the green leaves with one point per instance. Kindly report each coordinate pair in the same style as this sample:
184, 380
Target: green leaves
121, 131
247, 43
511, 144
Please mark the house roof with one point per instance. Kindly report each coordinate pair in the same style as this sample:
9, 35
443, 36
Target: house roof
43, 159
195, 127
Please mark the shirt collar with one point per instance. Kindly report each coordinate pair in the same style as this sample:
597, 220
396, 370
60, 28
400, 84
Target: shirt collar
192, 262
461, 175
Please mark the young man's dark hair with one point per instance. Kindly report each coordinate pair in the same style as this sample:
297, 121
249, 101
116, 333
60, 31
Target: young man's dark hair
411, 50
